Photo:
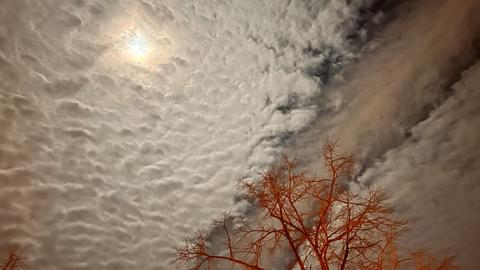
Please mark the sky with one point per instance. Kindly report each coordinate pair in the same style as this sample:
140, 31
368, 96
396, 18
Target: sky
127, 124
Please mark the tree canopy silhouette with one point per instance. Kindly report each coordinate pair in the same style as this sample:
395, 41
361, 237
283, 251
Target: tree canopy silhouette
318, 221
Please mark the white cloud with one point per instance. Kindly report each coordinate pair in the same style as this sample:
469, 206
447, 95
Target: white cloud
106, 161
432, 178
408, 129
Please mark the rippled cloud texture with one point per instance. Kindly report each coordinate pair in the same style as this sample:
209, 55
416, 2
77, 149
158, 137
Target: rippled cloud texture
107, 161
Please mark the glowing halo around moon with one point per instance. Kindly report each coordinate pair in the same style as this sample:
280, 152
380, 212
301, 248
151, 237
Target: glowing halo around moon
137, 46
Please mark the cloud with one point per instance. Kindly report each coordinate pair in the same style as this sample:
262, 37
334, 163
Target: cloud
379, 99
432, 177
107, 162
408, 128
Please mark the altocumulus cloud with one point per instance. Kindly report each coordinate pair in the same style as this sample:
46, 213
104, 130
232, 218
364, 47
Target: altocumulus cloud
107, 161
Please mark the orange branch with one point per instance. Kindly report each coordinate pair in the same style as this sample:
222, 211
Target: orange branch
321, 223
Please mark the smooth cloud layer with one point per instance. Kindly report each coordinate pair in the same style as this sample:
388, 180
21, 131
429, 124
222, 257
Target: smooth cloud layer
106, 162
409, 129
432, 178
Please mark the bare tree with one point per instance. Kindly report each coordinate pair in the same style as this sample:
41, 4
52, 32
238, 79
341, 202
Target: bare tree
14, 260
320, 222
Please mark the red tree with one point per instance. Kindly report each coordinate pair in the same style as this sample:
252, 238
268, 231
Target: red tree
14, 260
321, 223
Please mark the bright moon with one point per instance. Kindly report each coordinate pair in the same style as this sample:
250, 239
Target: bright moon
137, 46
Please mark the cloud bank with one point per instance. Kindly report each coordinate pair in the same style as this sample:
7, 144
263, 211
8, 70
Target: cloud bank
432, 178
107, 161
409, 128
